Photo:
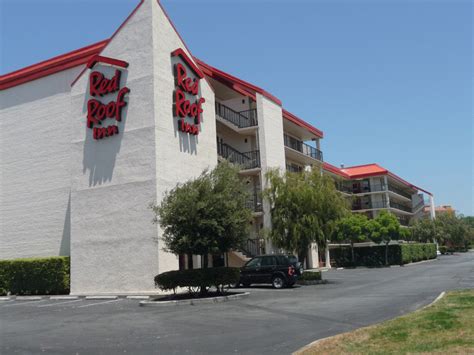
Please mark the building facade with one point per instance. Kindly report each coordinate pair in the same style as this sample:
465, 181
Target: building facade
372, 188
91, 138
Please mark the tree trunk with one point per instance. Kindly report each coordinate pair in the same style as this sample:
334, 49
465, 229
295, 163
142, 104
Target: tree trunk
205, 261
386, 253
302, 256
352, 252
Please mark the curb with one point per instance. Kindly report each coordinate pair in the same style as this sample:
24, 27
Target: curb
311, 282
28, 298
58, 298
101, 297
421, 262
138, 297
310, 345
5, 298
194, 301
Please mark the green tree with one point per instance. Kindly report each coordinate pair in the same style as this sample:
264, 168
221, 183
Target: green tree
352, 228
205, 215
424, 231
304, 209
453, 231
384, 228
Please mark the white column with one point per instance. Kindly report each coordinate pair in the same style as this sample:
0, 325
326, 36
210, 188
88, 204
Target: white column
387, 197
328, 259
312, 260
272, 150
432, 208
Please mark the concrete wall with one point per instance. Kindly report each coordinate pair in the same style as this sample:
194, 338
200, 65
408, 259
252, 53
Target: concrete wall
272, 151
243, 143
35, 133
179, 156
114, 246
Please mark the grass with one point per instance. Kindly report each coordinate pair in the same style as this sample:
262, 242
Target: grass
447, 327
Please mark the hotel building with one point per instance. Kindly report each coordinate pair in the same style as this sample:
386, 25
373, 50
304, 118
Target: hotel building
90, 138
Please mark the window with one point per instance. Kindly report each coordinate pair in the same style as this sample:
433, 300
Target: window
254, 262
268, 261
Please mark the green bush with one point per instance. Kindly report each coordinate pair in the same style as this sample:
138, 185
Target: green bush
443, 249
198, 278
310, 276
374, 256
35, 276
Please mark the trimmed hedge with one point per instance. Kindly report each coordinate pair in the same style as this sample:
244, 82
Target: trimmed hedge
198, 278
310, 276
374, 256
35, 276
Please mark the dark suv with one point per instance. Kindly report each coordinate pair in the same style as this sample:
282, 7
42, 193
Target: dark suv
279, 270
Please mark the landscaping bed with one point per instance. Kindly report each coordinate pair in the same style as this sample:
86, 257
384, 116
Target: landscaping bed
311, 278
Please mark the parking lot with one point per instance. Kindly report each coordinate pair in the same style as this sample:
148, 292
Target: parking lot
268, 321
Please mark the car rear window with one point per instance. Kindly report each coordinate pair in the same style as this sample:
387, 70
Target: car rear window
292, 259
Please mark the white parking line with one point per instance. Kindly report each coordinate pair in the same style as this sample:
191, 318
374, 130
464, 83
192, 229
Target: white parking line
93, 304
58, 303
23, 303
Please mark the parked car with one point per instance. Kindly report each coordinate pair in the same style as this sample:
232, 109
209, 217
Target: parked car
278, 270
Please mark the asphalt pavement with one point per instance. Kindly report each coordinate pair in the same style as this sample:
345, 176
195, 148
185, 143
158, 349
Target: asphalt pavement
267, 322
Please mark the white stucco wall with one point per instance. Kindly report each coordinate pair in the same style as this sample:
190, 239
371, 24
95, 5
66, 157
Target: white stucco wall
114, 247
35, 167
179, 156
272, 151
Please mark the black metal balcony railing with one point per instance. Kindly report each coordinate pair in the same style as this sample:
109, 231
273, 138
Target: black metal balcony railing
400, 207
241, 119
292, 168
399, 191
419, 205
255, 201
247, 160
343, 188
302, 147
253, 247
404, 221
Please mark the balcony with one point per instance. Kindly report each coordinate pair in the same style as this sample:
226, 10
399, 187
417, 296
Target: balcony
399, 191
400, 207
247, 160
242, 119
254, 203
293, 168
302, 147
253, 247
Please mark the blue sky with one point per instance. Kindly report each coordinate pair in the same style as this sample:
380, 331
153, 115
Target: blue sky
387, 81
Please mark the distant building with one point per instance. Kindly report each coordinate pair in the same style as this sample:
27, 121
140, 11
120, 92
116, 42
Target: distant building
374, 189
439, 210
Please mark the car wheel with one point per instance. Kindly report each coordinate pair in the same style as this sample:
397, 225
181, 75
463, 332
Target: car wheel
278, 282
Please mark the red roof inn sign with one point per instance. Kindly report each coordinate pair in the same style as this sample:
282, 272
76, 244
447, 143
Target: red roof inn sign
99, 86
187, 87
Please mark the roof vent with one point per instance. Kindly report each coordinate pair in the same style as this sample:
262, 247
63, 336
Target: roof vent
342, 166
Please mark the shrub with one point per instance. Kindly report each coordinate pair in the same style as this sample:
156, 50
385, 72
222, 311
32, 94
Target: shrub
201, 279
374, 256
310, 276
443, 249
35, 276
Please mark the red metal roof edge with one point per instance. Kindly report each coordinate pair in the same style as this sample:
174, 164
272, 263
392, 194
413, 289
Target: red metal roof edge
384, 172
179, 52
246, 86
298, 121
50, 66
335, 170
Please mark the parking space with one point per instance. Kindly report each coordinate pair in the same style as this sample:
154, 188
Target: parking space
268, 321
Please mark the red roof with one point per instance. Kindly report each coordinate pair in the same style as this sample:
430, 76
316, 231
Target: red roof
367, 170
298, 121
335, 170
359, 171
51, 66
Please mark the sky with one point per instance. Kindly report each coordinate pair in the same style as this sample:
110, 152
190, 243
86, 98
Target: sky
388, 81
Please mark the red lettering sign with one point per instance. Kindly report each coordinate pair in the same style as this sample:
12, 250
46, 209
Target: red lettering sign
184, 107
97, 111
